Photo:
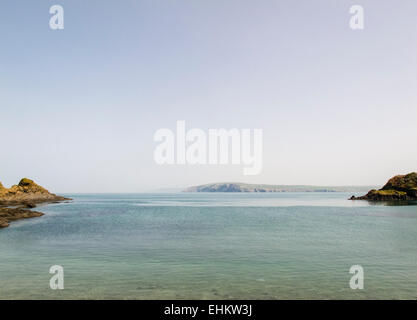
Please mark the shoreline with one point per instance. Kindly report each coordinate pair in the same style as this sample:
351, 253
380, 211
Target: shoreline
13, 211
8, 215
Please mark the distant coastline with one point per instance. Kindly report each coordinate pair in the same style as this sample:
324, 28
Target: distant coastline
246, 187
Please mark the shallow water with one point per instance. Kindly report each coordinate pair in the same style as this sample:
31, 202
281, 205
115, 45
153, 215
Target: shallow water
212, 246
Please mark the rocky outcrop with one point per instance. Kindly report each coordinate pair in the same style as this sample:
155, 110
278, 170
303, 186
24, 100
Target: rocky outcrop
12, 214
401, 187
16, 201
27, 191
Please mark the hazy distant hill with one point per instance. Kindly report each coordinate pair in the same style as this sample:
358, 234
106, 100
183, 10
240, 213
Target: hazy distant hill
245, 187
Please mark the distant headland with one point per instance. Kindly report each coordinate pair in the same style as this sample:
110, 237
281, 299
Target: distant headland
246, 187
401, 187
16, 201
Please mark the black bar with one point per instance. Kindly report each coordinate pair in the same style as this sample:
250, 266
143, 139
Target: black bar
162, 309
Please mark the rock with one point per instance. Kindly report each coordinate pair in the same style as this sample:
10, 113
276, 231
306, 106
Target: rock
25, 196
406, 183
27, 191
12, 214
3, 223
29, 205
3, 190
398, 188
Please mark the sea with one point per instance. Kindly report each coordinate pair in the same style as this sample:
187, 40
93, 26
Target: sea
212, 246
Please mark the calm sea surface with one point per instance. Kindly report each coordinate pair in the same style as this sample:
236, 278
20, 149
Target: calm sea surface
212, 246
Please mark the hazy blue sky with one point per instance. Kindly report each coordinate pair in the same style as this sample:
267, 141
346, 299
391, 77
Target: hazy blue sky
79, 106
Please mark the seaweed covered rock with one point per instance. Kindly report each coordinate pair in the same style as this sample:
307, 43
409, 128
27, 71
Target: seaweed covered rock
401, 187
12, 214
406, 183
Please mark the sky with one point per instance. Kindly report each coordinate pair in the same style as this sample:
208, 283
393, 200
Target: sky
79, 107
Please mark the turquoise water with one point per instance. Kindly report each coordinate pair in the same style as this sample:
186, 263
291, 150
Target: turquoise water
212, 246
